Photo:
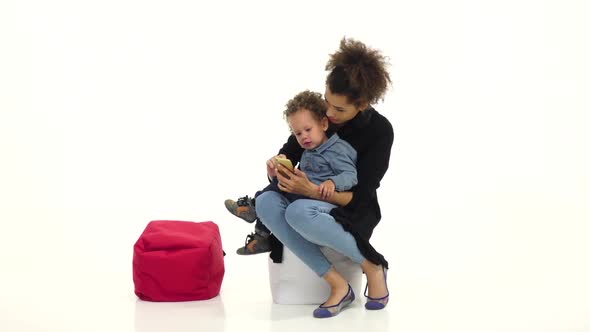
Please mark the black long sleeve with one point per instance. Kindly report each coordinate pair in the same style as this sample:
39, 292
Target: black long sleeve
371, 166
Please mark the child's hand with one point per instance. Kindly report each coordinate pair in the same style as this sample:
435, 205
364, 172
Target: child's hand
326, 189
271, 168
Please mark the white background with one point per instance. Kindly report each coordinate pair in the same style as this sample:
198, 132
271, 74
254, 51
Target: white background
115, 113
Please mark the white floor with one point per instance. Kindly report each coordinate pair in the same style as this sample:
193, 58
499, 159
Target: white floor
115, 113
71, 271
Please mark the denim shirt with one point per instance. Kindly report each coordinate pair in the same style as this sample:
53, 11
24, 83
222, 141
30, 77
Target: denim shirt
335, 160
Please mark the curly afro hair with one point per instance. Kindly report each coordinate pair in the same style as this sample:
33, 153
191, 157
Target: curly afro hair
311, 101
358, 72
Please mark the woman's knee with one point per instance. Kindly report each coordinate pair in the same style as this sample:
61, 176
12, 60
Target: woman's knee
297, 211
300, 215
267, 204
262, 201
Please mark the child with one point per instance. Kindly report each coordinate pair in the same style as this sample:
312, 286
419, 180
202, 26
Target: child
329, 162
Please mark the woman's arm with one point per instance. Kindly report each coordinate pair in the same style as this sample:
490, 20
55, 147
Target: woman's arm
299, 184
372, 165
340, 198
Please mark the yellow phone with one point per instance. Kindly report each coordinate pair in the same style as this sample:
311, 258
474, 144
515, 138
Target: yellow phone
285, 162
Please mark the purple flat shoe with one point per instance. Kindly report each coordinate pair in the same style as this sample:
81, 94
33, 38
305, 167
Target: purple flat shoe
379, 302
333, 310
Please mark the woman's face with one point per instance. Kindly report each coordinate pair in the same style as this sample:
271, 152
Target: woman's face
340, 110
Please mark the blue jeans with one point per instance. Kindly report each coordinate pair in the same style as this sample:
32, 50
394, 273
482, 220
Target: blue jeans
273, 186
304, 226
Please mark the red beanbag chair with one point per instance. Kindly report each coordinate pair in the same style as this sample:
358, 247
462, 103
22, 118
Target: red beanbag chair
178, 261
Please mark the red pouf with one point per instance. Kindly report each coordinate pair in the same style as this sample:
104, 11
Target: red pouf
178, 261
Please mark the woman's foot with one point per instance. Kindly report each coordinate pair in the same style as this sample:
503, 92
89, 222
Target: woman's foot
376, 290
336, 295
326, 310
341, 295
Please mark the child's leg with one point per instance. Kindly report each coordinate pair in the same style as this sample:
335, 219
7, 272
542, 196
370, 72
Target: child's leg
259, 241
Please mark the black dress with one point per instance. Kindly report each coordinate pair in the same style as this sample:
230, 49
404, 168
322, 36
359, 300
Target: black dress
371, 135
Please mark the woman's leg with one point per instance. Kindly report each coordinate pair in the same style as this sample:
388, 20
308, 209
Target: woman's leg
270, 208
375, 279
312, 220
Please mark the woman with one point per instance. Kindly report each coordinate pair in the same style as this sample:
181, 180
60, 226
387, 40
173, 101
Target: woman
345, 221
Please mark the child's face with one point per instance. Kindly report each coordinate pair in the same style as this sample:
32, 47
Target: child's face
310, 133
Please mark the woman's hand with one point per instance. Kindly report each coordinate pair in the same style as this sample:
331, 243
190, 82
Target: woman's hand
271, 169
296, 183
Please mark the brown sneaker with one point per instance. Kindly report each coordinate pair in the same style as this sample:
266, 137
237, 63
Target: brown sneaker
255, 244
243, 208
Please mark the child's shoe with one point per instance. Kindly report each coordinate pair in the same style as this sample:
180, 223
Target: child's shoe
242, 208
255, 244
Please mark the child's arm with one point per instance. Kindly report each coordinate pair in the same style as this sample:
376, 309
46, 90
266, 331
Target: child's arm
344, 164
271, 165
291, 150
327, 189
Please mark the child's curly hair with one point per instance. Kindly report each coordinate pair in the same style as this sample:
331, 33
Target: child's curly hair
358, 72
308, 100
